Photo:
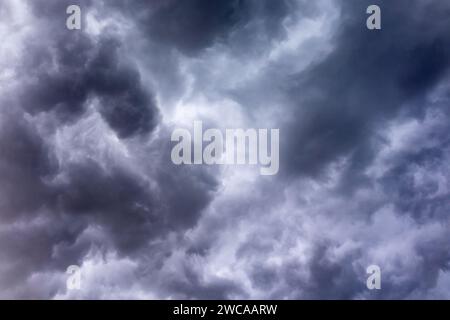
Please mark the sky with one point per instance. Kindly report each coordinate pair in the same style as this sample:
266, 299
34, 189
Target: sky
86, 177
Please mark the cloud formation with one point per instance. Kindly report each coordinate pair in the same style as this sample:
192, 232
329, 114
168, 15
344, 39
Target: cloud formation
85, 124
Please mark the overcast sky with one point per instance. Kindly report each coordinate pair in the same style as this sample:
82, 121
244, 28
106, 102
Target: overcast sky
85, 171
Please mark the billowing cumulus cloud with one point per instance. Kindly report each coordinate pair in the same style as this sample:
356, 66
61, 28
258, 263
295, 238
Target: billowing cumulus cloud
86, 175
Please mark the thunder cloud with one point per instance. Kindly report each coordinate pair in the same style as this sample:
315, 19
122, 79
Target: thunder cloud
86, 177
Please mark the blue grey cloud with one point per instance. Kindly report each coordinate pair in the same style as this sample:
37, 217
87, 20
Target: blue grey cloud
85, 146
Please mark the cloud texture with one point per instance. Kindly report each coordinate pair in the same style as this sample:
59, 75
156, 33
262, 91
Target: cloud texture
85, 170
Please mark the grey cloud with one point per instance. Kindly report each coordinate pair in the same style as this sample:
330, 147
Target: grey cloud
61, 75
199, 24
25, 159
88, 70
350, 192
368, 78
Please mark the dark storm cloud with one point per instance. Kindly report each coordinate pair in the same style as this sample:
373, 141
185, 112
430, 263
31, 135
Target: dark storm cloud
369, 77
191, 26
127, 208
31, 230
186, 232
422, 200
191, 286
327, 279
45, 206
25, 159
340, 106
199, 24
88, 70
372, 77
125, 105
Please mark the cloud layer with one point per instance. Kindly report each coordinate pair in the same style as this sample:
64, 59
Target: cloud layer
85, 124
